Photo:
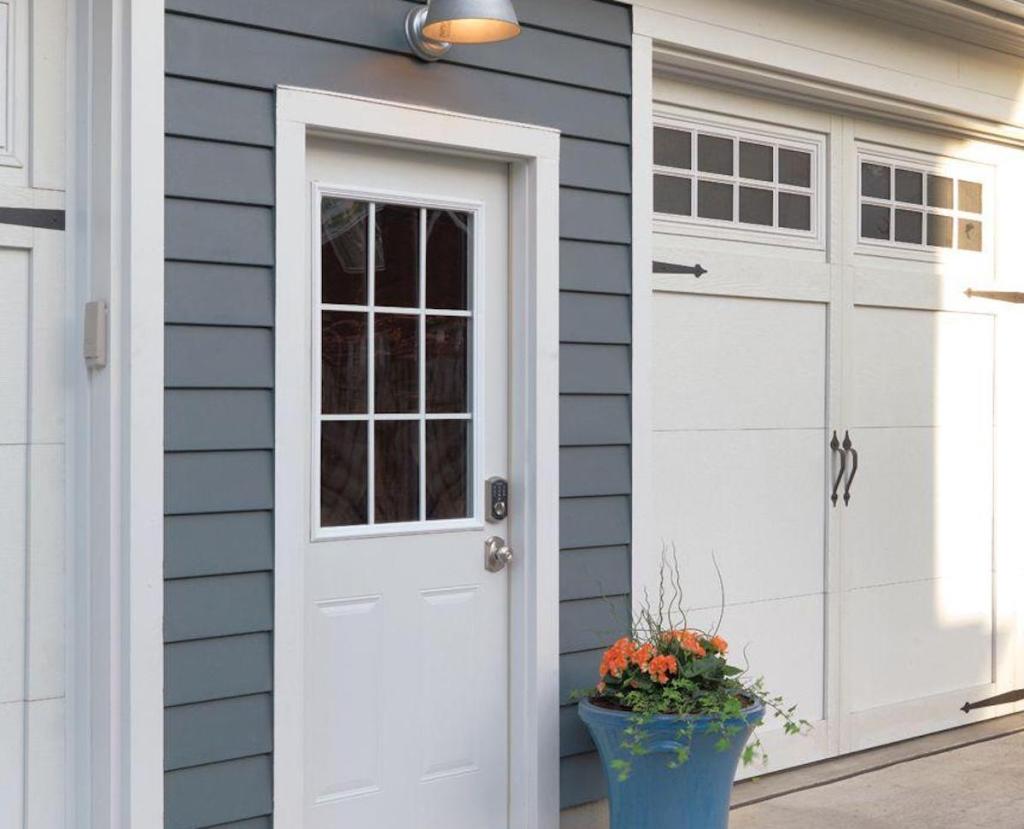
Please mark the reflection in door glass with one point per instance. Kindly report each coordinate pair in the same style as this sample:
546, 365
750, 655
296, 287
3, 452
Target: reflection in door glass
343, 251
396, 363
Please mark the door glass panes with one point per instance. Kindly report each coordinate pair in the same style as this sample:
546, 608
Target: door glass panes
395, 364
740, 180
918, 208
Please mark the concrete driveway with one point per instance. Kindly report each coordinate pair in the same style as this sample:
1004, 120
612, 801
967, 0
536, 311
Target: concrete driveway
979, 786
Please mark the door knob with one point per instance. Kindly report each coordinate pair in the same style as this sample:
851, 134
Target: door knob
497, 554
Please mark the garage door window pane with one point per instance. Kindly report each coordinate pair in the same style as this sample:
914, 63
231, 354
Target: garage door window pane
672, 195
672, 148
909, 186
874, 180
794, 211
714, 154
757, 161
794, 168
969, 194
940, 191
874, 222
940, 231
714, 200
908, 226
756, 206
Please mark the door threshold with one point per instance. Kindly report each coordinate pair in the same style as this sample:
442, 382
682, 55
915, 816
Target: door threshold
813, 775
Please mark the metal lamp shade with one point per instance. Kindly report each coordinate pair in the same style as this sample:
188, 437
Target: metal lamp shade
470, 21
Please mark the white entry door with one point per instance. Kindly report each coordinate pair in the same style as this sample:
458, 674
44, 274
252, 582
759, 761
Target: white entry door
406, 630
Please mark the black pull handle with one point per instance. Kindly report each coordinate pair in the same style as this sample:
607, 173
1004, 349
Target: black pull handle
836, 447
848, 446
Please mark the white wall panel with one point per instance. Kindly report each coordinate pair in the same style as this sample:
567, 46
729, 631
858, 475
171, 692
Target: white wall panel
12, 573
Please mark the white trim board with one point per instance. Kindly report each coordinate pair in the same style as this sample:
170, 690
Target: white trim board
533, 156
115, 436
758, 64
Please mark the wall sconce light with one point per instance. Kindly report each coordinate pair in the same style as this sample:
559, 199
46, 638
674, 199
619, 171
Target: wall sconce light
432, 29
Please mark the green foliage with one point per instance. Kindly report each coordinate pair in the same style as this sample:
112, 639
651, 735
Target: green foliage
666, 667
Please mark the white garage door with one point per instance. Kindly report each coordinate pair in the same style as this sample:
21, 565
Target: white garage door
831, 332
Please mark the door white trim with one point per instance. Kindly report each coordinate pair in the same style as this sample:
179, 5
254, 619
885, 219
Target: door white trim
533, 156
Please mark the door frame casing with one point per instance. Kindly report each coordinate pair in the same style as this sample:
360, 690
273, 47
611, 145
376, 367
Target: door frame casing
532, 154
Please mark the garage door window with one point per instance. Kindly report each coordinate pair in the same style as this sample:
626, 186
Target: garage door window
750, 181
920, 207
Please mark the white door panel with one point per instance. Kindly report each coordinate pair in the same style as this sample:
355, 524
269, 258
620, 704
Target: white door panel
406, 634
774, 550
919, 639
714, 370
796, 671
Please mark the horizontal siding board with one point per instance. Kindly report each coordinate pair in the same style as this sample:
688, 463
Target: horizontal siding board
207, 795
594, 318
201, 293
265, 822
594, 420
581, 780
203, 419
211, 732
592, 623
572, 733
218, 543
217, 606
594, 266
213, 51
205, 482
218, 112
234, 234
577, 672
215, 170
599, 20
594, 369
538, 53
594, 470
207, 669
591, 216
218, 357
594, 165
594, 571
594, 522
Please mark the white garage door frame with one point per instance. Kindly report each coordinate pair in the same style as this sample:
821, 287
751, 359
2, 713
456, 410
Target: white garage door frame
533, 156
689, 57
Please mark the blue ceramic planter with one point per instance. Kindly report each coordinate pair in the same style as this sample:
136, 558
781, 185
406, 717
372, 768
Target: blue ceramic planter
694, 795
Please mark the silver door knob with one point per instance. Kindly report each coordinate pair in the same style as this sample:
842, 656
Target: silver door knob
497, 554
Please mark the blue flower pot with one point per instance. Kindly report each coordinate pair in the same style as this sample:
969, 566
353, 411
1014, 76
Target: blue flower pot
694, 794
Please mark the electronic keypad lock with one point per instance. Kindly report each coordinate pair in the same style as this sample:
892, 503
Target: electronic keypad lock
497, 499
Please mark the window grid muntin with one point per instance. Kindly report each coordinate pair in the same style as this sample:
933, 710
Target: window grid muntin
955, 213
738, 135
371, 417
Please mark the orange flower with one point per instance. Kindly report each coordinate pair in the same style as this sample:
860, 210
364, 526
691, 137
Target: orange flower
719, 644
661, 666
616, 658
688, 641
642, 655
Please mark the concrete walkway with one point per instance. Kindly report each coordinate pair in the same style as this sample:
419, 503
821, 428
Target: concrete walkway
979, 786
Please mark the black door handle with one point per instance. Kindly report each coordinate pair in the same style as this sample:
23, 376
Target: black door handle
836, 447
848, 446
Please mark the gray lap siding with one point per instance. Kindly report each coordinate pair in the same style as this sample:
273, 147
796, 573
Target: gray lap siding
570, 69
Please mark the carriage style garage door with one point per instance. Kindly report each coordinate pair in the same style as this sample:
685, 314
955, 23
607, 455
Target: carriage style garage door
828, 405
